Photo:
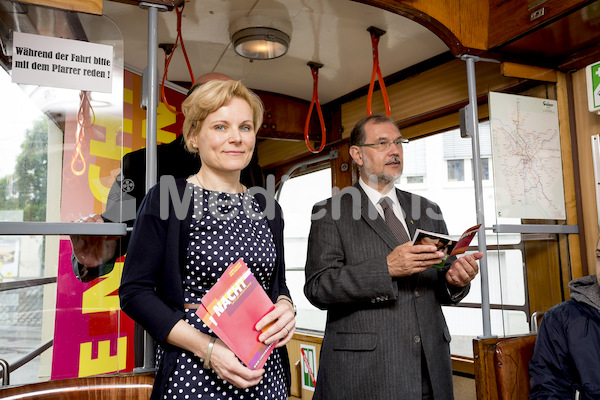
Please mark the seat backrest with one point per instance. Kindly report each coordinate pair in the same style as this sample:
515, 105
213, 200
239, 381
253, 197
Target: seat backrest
126, 387
511, 365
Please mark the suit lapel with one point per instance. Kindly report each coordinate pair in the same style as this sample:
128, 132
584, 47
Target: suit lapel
377, 224
406, 203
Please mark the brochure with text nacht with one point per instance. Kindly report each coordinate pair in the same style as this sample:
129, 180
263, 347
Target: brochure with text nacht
445, 243
233, 307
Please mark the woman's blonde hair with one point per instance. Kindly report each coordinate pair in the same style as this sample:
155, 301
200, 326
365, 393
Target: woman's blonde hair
211, 96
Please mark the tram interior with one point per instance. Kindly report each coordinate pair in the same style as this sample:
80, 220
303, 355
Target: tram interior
430, 64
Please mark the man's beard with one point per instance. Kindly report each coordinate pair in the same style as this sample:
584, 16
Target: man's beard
383, 178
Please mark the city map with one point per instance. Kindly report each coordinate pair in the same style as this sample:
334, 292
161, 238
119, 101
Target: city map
526, 157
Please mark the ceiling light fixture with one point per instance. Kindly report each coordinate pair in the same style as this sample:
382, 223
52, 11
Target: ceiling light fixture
260, 37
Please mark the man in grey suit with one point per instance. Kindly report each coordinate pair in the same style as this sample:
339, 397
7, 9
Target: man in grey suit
386, 336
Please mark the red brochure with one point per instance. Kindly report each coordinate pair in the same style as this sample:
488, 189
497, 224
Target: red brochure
233, 307
445, 243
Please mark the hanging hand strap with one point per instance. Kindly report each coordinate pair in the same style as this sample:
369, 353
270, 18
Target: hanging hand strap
376, 33
78, 162
169, 54
314, 69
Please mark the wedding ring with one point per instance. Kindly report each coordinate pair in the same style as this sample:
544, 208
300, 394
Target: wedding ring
288, 331
420, 263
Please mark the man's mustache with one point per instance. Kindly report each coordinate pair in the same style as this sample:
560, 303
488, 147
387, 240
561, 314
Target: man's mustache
394, 160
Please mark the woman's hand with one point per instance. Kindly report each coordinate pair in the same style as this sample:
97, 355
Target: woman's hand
279, 324
222, 360
229, 368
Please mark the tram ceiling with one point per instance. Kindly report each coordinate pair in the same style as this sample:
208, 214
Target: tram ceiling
563, 35
330, 32
560, 34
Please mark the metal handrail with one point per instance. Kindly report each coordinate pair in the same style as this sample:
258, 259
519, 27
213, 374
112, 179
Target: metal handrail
5, 372
62, 228
26, 283
7, 368
534, 323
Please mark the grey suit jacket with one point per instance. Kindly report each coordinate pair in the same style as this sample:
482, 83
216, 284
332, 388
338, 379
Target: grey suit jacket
376, 325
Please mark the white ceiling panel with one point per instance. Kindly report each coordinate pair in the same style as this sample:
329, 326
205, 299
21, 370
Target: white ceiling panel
330, 32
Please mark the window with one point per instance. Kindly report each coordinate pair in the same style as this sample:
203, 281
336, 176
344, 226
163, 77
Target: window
415, 162
297, 197
415, 179
458, 149
449, 159
50, 171
485, 169
456, 170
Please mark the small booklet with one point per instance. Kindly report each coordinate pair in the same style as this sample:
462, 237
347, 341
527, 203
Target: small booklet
445, 243
232, 308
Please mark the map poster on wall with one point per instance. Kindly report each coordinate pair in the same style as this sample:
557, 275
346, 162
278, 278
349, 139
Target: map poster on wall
526, 157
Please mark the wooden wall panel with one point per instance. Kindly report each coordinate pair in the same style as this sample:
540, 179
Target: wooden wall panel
431, 90
440, 124
293, 348
547, 91
485, 377
88, 6
458, 23
587, 124
568, 174
543, 274
285, 116
519, 13
427, 92
341, 167
568, 248
272, 153
114, 387
528, 72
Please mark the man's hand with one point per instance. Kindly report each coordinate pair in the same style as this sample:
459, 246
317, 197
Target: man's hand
90, 250
408, 259
463, 270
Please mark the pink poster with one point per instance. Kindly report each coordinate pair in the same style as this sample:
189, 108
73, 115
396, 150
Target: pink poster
92, 335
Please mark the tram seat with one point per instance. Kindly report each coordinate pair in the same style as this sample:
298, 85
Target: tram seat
114, 387
502, 367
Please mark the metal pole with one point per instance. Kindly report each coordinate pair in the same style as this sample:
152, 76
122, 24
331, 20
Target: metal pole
152, 107
474, 129
151, 134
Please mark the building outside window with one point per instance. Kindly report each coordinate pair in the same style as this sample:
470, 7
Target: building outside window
456, 170
297, 197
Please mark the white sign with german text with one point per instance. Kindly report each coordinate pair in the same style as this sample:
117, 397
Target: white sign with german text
64, 63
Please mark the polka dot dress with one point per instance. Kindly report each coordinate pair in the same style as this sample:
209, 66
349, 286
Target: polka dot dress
224, 228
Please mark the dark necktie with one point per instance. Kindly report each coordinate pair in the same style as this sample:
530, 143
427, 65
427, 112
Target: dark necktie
392, 221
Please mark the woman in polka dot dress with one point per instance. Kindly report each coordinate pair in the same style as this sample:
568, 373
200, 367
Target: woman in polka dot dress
186, 234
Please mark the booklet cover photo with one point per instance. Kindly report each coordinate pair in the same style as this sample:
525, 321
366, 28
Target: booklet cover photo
445, 243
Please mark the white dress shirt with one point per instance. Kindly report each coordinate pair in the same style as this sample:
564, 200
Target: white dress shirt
375, 197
